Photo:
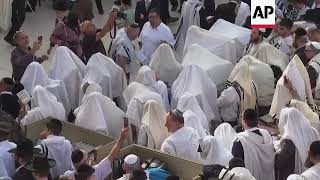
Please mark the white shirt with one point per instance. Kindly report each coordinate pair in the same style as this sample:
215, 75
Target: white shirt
7, 161
59, 149
152, 38
228, 104
183, 143
312, 173
125, 177
102, 170
283, 44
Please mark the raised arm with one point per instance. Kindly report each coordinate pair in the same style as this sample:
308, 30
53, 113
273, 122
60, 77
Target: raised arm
108, 26
116, 149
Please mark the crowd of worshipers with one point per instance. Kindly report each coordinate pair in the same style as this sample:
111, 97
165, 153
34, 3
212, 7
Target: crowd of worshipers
163, 102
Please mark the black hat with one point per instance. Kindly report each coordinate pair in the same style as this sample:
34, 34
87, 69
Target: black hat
25, 147
40, 163
61, 5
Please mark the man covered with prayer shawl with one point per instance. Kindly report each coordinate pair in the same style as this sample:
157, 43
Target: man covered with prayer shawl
99, 113
36, 75
147, 77
152, 131
165, 65
193, 115
184, 141
313, 162
213, 151
238, 96
194, 80
312, 52
194, 12
255, 147
67, 66
43, 105
296, 137
256, 41
227, 133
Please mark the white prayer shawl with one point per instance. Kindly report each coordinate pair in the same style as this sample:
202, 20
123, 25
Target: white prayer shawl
147, 77
35, 75
183, 143
43, 105
241, 75
96, 71
218, 44
263, 77
295, 177
258, 154
295, 126
191, 120
214, 151
100, 113
5, 14
239, 34
135, 96
67, 66
312, 173
189, 102
194, 80
272, 56
227, 133
217, 68
118, 77
59, 149
305, 109
298, 75
153, 131
164, 64
243, 12
314, 62
189, 17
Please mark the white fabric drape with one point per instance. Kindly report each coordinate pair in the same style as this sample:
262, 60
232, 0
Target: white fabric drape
243, 12
272, 56
298, 75
189, 16
227, 133
67, 66
43, 105
147, 77
103, 66
295, 126
135, 96
305, 109
5, 14
263, 77
218, 44
35, 75
242, 76
153, 119
189, 102
214, 151
239, 34
164, 64
312, 173
258, 154
99, 113
192, 120
96, 71
217, 68
183, 143
194, 80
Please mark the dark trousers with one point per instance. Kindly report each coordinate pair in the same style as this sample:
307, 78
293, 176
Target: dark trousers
17, 20
99, 5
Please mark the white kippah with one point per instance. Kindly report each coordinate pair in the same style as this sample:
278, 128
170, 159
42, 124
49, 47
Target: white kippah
262, 30
315, 45
131, 160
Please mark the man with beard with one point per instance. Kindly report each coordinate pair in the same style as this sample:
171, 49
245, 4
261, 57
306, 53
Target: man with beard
256, 41
313, 162
299, 44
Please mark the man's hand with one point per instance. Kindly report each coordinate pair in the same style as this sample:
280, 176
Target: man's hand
36, 46
123, 135
288, 83
43, 134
